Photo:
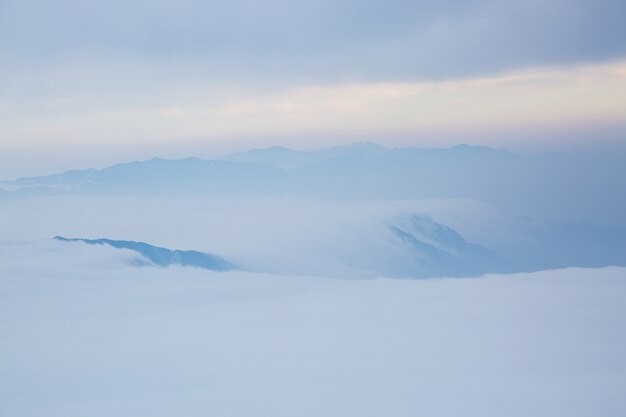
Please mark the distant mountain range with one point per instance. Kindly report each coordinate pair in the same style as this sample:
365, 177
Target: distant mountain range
288, 158
270, 163
569, 187
161, 257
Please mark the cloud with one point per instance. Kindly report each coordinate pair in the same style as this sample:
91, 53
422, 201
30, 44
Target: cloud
297, 236
21, 257
128, 44
97, 341
589, 96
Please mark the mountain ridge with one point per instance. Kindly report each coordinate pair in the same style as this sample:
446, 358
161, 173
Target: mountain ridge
358, 148
159, 256
537, 185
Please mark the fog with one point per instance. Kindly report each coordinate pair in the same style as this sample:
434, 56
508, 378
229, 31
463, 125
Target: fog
404, 239
82, 334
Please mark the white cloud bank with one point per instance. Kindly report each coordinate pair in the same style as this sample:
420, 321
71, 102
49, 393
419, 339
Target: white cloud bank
79, 339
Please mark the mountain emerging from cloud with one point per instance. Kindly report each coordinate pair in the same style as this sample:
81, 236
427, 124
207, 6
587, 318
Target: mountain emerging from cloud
398, 244
350, 210
162, 257
439, 250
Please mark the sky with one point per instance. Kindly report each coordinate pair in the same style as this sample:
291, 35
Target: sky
92, 83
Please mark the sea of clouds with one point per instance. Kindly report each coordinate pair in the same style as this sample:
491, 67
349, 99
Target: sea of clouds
83, 333
313, 326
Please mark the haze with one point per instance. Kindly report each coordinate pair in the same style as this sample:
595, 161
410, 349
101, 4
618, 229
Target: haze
321, 208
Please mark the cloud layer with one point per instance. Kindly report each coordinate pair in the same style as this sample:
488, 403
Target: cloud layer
81, 339
284, 40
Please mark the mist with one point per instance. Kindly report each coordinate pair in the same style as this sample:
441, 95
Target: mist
84, 334
329, 208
